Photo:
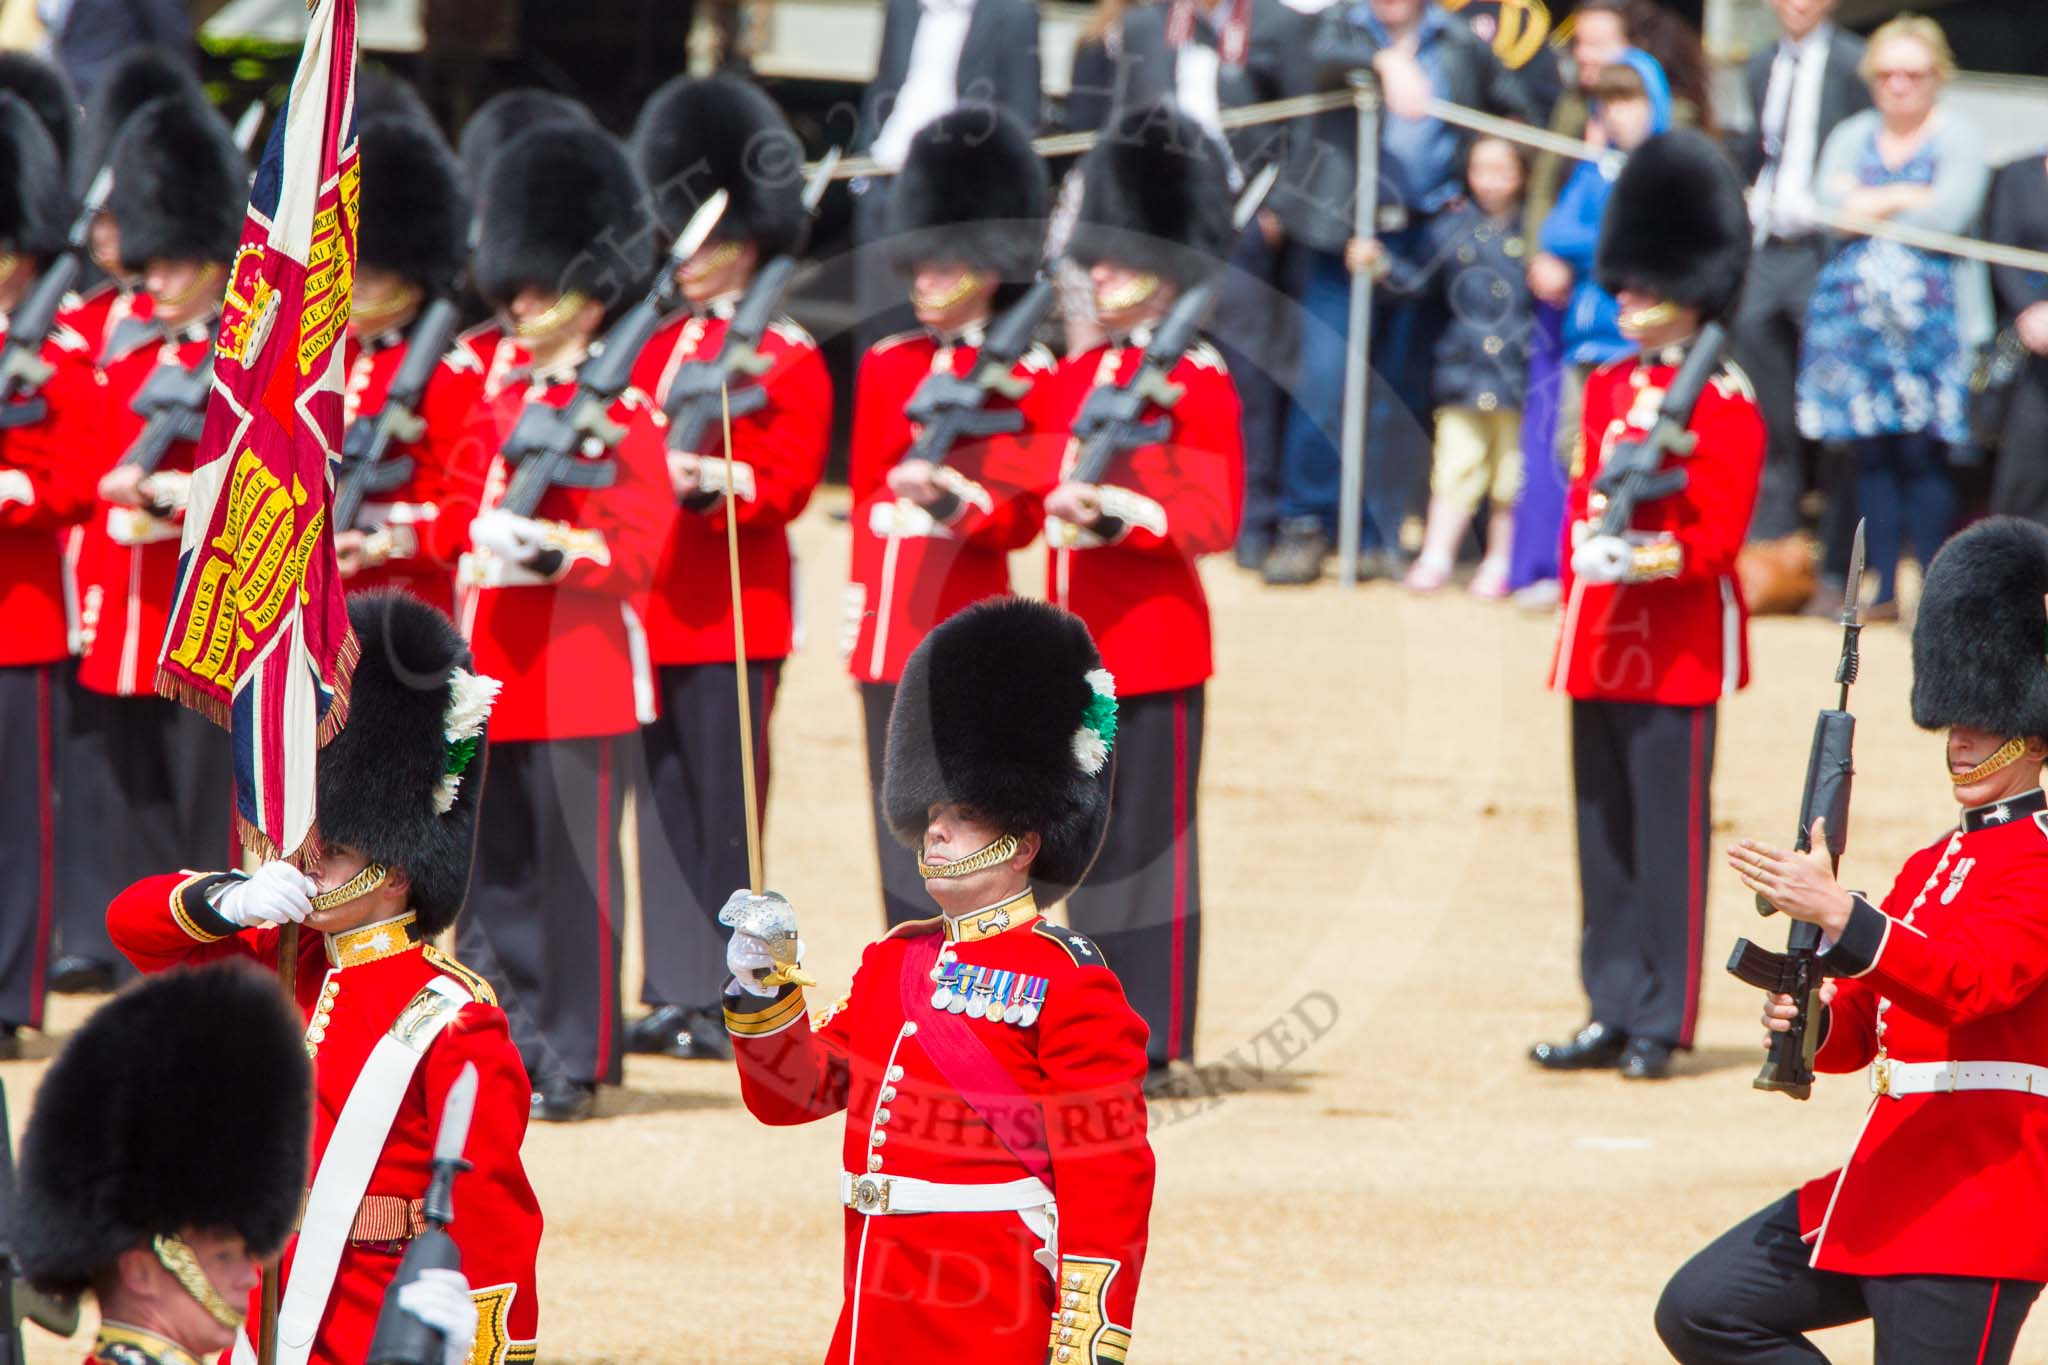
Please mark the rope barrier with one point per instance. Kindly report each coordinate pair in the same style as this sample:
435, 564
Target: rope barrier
1478, 121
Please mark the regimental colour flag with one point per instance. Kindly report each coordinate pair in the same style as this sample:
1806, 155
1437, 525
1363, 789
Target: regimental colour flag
259, 638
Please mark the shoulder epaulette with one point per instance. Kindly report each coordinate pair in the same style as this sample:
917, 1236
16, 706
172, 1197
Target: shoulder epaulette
1039, 359
1732, 380
1204, 356
1077, 944
478, 988
916, 928
895, 339
792, 331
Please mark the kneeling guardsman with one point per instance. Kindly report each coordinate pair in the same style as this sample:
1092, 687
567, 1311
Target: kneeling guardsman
391, 1020
1934, 1230
996, 1171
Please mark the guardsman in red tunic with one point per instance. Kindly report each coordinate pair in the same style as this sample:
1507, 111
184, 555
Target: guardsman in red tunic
551, 604
391, 1021
996, 1171
1654, 632
694, 138
933, 534
1936, 1229
43, 493
412, 244
147, 784
1155, 222
165, 1155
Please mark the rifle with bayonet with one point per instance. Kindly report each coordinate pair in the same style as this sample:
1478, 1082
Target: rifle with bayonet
1796, 971
949, 408
23, 371
1633, 473
699, 393
367, 465
1111, 419
400, 1337
564, 447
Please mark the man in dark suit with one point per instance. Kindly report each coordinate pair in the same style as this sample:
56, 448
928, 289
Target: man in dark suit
86, 36
1799, 88
935, 53
1208, 56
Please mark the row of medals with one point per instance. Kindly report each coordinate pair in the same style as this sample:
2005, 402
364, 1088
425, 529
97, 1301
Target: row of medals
985, 993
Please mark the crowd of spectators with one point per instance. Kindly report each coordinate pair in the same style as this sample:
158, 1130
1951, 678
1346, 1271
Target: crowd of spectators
1869, 357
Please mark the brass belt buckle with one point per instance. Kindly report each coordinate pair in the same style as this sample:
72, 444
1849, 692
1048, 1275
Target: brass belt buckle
1881, 1076
871, 1195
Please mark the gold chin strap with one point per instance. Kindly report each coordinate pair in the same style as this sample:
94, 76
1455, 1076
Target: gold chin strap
183, 1264
371, 316
1660, 314
1001, 851
554, 318
362, 884
1128, 295
946, 298
713, 261
2005, 756
207, 277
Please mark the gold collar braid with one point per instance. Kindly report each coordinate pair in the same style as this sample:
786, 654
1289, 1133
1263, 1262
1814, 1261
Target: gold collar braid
1001, 851
183, 1264
2005, 756
117, 1342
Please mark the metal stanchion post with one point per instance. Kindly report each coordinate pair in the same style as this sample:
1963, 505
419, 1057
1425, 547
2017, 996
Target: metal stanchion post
1365, 97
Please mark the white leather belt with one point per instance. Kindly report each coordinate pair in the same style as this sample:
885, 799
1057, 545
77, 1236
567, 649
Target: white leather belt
879, 1194
1895, 1079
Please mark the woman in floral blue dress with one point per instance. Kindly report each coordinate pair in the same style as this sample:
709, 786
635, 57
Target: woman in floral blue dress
1890, 331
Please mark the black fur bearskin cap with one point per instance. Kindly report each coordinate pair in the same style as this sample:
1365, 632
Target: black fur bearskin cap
35, 209
1980, 642
562, 211
127, 1138
140, 75
383, 93
696, 137
1156, 193
503, 117
181, 187
415, 212
46, 90
1676, 225
972, 189
1005, 708
381, 780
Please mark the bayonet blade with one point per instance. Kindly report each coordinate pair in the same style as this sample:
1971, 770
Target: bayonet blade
698, 230
821, 180
246, 126
1254, 195
456, 1112
1852, 586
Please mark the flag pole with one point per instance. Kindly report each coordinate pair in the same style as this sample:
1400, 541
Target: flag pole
273, 1264
755, 877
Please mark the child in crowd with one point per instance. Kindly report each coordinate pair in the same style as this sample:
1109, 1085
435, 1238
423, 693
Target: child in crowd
1477, 256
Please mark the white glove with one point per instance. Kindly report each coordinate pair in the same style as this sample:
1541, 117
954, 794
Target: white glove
749, 959
1603, 559
274, 894
507, 535
441, 1299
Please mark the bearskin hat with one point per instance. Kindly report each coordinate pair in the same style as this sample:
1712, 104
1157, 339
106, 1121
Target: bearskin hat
181, 187
44, 88
971, 189
1006, 708
415, 212
383, 93
1982, 631
126, 1138
696, 137
401, 781
1156, 192
562, 210
1676, 225
34, 208
505, 116
140, 75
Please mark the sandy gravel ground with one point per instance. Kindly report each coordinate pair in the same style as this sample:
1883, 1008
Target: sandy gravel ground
1391, 920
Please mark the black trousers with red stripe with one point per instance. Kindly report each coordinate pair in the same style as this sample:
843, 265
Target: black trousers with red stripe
542, 922
144, 786
28, 852
1142, 904
691, 816
1641, 774
1750, 1298
903, 894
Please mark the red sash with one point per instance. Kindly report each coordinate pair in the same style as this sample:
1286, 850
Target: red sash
969, 1067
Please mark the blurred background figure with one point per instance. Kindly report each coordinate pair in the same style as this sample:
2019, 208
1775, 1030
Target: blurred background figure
1889, 332
2017, 215
86, 37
